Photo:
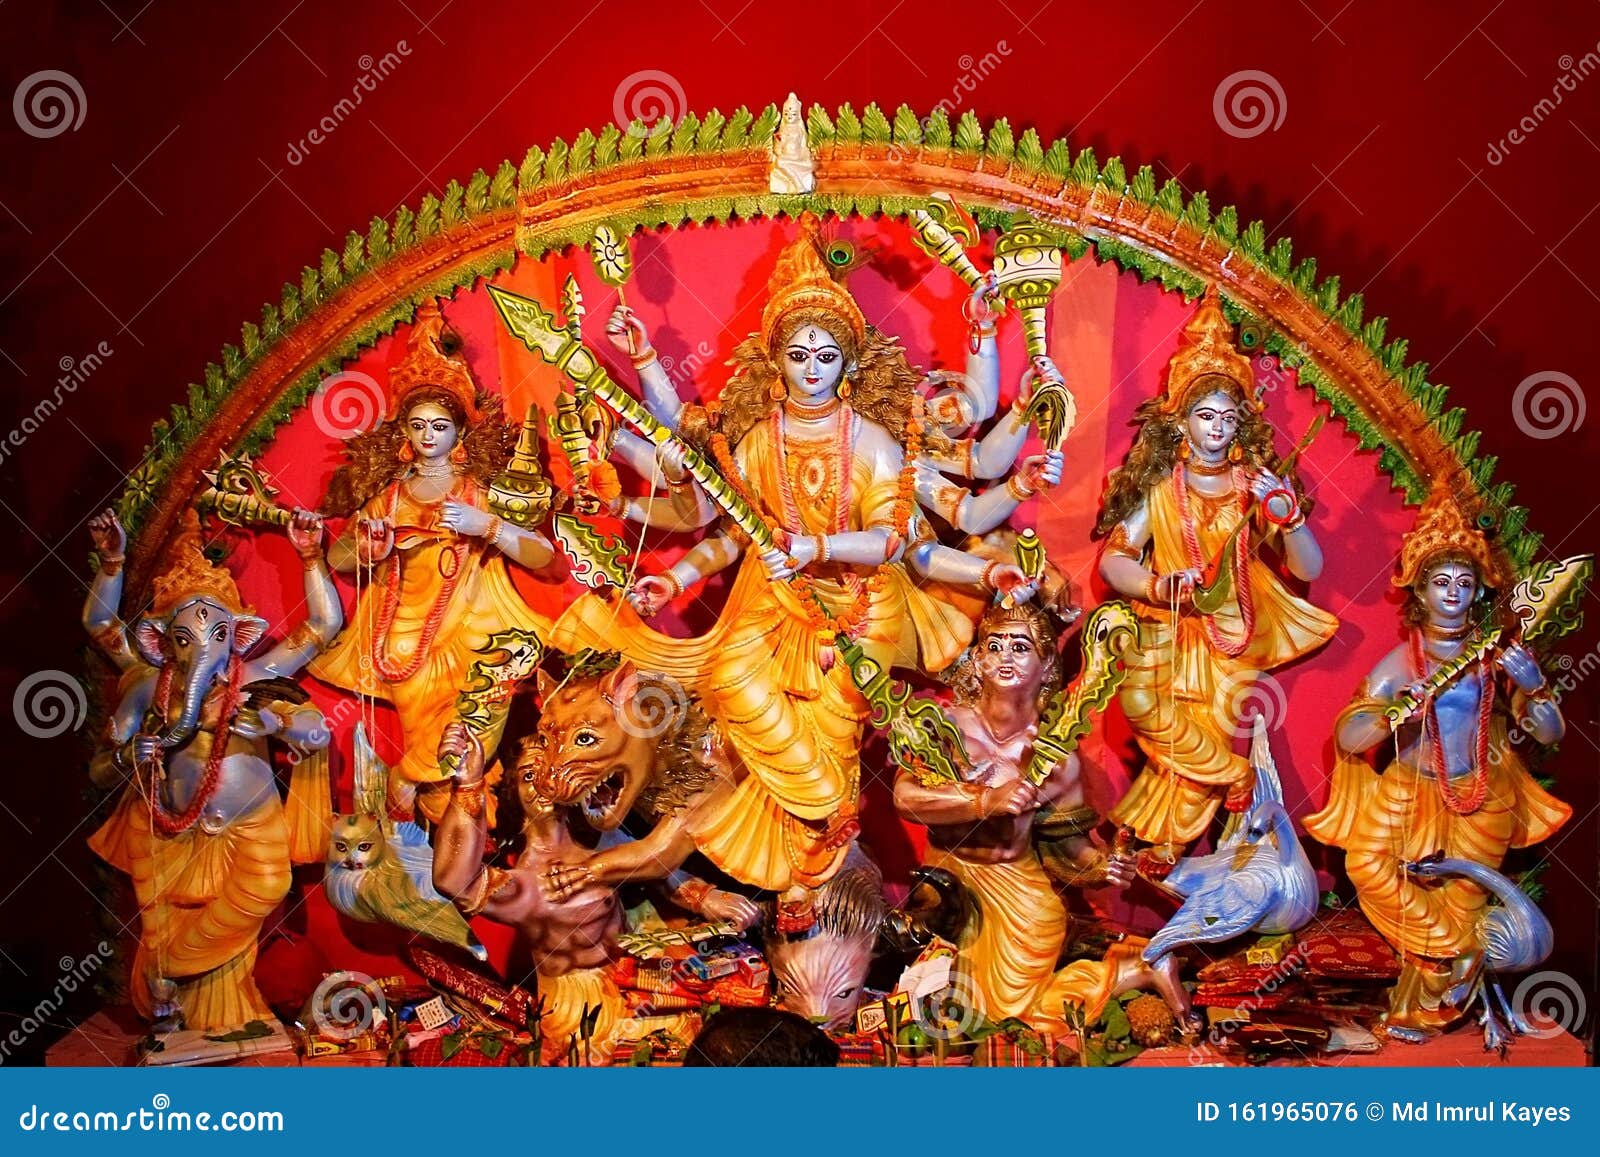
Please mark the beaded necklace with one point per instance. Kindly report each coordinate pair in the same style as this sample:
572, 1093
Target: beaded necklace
852, 619
1232, 648
450, 564
172, 823
1479, 791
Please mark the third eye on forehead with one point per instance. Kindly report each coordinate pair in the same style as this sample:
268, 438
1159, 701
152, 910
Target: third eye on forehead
812, 342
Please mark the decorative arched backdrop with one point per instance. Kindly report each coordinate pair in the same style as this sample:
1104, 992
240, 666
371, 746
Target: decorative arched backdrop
697, 197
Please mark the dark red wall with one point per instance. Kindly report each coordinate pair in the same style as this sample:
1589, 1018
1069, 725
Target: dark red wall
172, 212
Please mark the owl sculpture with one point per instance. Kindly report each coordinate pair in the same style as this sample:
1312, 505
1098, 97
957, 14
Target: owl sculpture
381, 871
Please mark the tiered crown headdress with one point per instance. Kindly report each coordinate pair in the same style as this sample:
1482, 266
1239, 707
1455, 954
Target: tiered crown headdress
1207, 350
189, 575
801, 283
433, 358
1444, 530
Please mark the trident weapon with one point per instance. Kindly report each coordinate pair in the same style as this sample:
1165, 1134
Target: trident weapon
1548, 604
563, 348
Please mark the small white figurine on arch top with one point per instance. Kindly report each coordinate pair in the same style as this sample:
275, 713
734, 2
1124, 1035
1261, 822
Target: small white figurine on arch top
793, 170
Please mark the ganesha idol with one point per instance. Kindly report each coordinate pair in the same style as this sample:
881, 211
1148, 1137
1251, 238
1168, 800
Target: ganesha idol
200, 826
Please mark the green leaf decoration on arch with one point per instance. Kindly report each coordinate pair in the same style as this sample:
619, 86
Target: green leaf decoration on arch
1041, 170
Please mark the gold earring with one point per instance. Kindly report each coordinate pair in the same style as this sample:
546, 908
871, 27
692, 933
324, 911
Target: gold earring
846, 389
1183, 449
1236, 453
778, 390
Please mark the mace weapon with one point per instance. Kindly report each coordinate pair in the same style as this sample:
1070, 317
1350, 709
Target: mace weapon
1027, 273
241, 495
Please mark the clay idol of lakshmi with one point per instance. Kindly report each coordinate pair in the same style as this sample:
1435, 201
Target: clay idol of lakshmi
820, 430
1455, 784
427, 556
1201, 463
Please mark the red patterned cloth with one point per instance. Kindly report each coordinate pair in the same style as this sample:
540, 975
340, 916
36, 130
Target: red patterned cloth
1013, 1051
429, 1054
657, 985
1233, 982
1346, 947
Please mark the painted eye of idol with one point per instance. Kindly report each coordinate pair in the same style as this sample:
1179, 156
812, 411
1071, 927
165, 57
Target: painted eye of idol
1015, 644
813, 343
1230, 417
1451, 582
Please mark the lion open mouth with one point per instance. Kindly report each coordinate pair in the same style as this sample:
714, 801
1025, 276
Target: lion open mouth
601, 800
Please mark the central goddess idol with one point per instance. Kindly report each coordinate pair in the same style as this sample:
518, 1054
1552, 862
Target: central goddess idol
819, 429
